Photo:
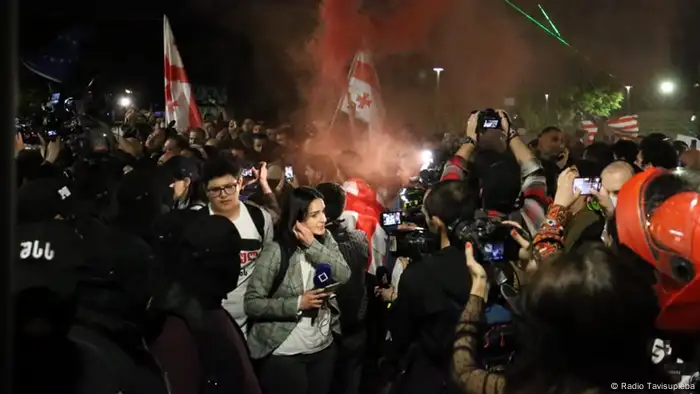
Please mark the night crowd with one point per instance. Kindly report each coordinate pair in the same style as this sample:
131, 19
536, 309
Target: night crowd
241, 258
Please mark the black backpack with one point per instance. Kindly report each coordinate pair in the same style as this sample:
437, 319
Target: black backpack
258, 218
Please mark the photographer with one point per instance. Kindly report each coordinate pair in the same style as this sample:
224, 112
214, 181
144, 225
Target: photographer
432, 293
585, 320
512, 184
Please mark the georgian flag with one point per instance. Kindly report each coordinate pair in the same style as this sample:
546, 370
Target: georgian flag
363, 210
180, 104
363, 91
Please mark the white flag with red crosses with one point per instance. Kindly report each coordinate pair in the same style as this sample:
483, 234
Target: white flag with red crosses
363, 94
180, 103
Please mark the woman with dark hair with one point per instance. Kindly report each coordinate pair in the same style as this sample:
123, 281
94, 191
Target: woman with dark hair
585, 322
292, 312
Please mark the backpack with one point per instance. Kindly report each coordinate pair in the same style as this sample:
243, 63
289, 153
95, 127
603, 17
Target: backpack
257, 216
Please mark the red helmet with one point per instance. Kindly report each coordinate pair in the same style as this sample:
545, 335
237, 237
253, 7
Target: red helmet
657, 217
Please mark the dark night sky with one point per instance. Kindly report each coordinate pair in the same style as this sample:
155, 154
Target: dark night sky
637, 39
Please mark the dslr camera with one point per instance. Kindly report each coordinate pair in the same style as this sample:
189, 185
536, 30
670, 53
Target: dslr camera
490, 120
494, 248
490, 238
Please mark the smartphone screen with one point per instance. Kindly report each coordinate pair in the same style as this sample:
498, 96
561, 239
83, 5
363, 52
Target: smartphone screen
391, 219
585, 185
247, 172
288, 173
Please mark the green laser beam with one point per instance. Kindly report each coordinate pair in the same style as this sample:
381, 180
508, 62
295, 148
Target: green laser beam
535, 21
548, 20
556, 35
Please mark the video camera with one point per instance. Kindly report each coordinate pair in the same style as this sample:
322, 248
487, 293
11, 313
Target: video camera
414, 241
411, 241
407, 228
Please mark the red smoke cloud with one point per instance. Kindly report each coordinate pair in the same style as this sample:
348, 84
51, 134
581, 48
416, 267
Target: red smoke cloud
344, 29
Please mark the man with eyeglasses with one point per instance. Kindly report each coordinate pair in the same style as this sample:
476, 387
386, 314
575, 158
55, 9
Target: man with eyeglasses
223, 182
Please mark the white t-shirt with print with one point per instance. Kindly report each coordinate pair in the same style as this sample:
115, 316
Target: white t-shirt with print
246, 227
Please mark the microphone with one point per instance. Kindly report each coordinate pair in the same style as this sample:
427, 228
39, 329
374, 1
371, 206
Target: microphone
383, 277
322, 276
322, 279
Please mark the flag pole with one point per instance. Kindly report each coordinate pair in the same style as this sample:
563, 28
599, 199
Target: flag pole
344, 96
382, 114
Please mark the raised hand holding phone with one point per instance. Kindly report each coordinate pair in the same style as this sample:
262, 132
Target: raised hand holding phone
566, 194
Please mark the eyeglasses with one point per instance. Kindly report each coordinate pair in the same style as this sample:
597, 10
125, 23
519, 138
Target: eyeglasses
225, 190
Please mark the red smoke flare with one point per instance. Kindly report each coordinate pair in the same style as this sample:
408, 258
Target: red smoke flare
344, 29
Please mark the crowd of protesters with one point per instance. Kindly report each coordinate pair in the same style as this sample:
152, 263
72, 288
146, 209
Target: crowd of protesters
239, 258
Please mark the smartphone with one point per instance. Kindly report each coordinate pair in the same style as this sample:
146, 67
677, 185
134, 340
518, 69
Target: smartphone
331, 288
586, 185
247, 172
391, 219
51, 135
55, 98
288, 173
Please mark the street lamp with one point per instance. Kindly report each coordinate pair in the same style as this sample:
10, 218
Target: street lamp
667, 88
125, 102
546, 108
629, 103
438, 71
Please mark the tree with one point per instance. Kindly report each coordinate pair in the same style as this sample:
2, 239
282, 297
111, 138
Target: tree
567, 108
596, 101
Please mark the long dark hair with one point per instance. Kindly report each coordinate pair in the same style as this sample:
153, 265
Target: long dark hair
294, 209
584, 321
